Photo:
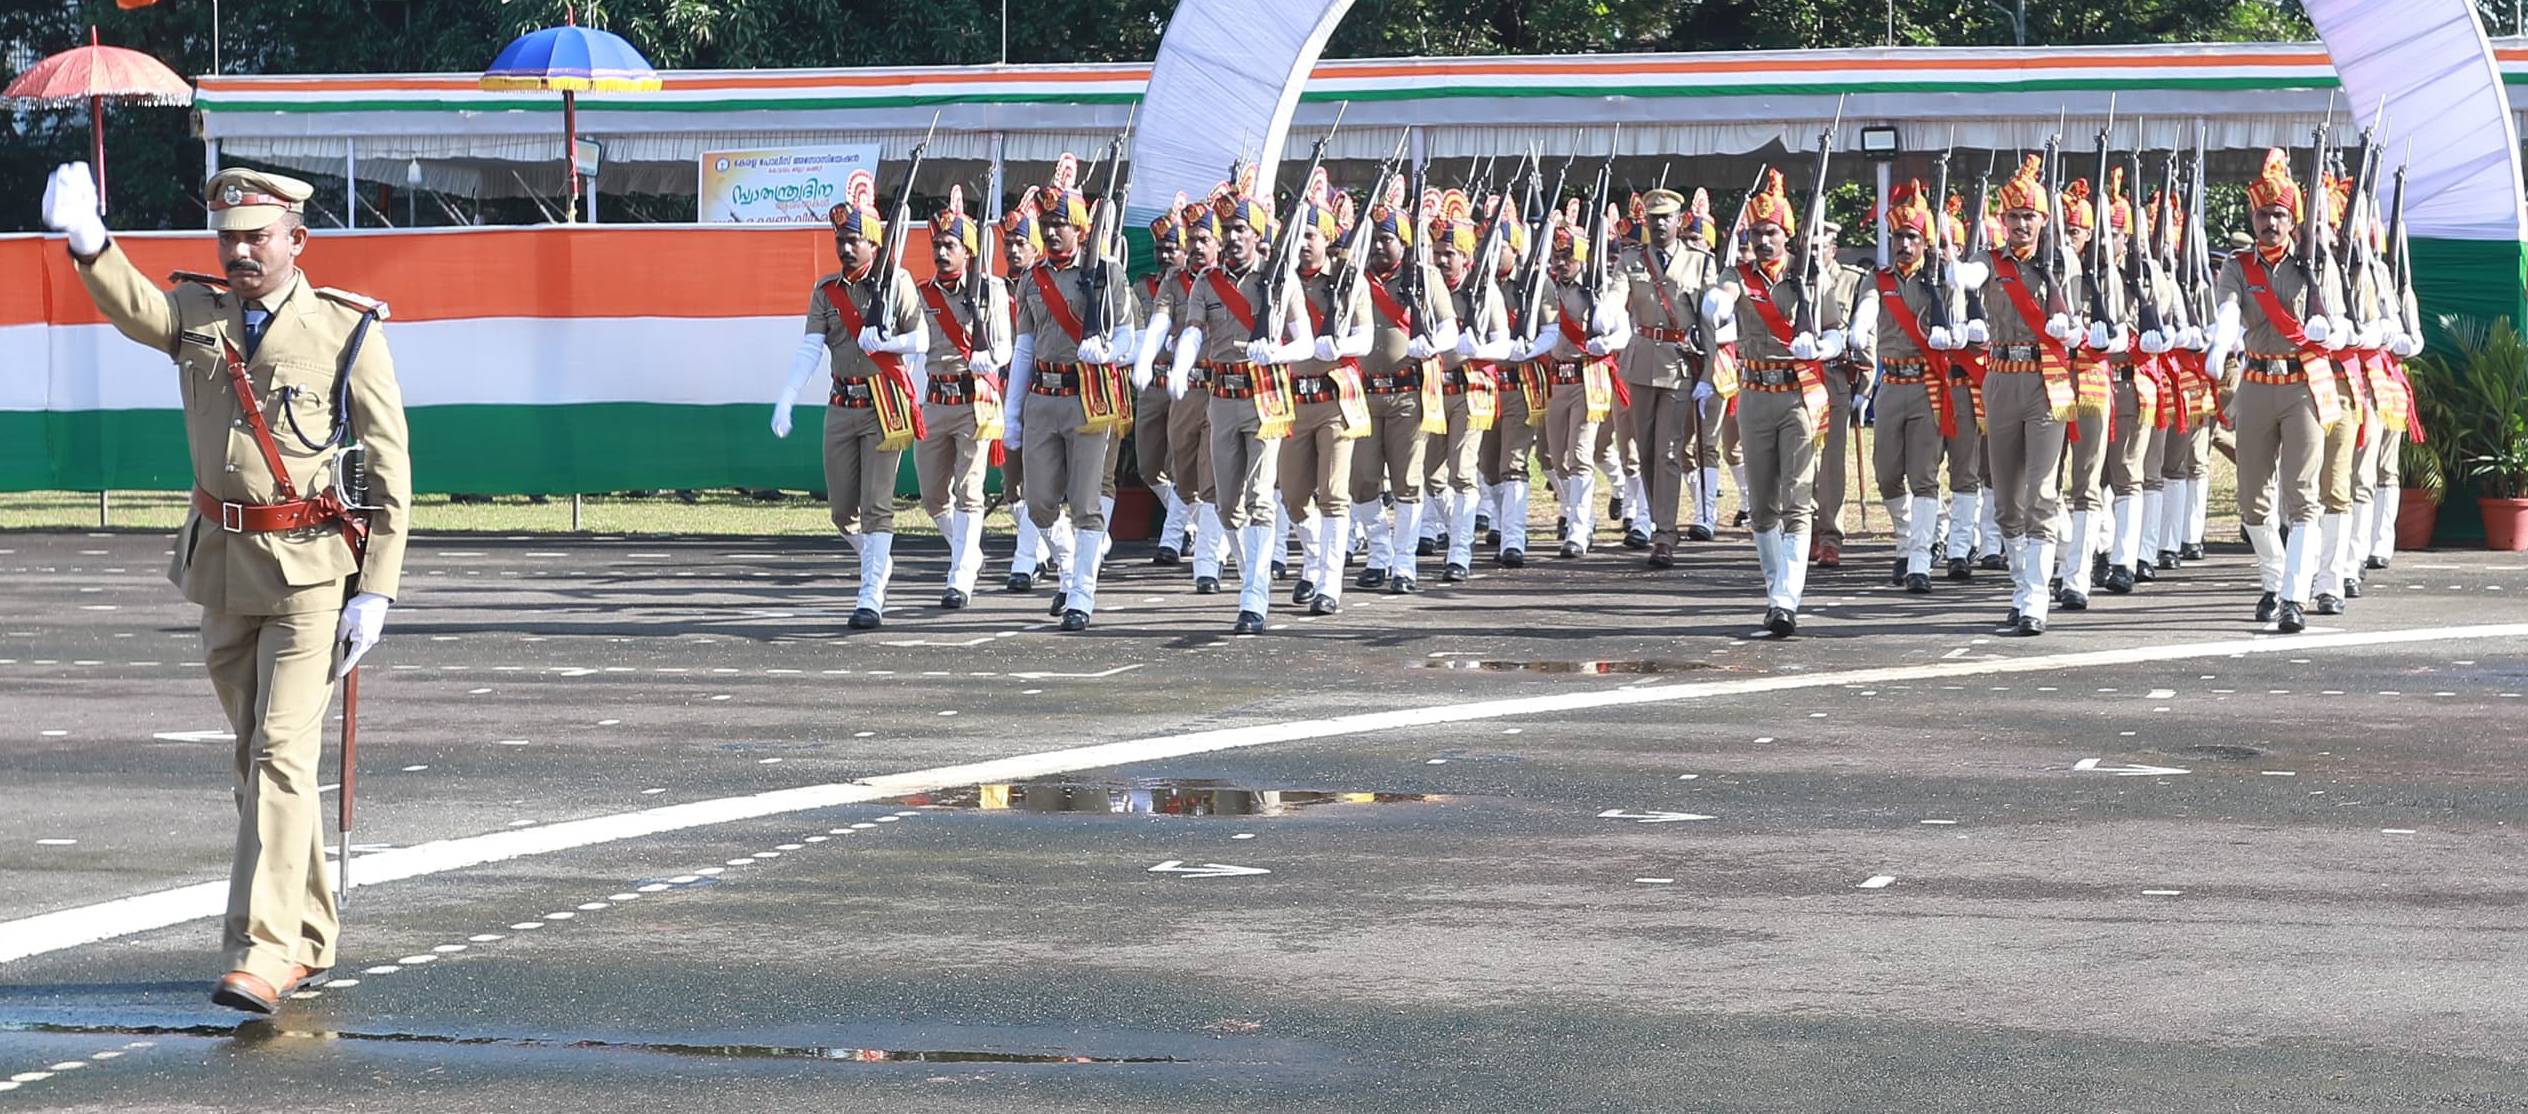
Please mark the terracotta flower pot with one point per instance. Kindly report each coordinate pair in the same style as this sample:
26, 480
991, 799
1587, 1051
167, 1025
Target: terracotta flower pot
2505, 524
1136, 516
2416, 513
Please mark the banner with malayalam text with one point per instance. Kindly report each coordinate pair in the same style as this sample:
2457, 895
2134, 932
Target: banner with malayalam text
778, 184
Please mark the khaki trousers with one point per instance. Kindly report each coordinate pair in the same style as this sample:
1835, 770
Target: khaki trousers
859, 480
1834, 465
2344, 473
2084, 464
1779, 435
1316, 464
2188, 452
2278, 440
1503, 457
2387, 471
1189, 447
1450, 457
1151, 434
2023, 445
274, 677
1106, 469
1659, 426
948, 464
1966, 449
2128, 456
1066, 466
1711, 429
1250, 466
1905, 450
1570, 437
1390, 458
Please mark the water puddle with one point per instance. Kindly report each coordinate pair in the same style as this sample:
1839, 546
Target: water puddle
1589, 668
259, 1032
1158, 798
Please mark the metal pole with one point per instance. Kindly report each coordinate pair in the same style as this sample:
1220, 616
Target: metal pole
101, 499
1005, 31
570, 153
350, 182
210, 167
574, 513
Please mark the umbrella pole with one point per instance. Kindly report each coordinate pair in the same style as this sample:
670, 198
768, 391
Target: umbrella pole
570, 153
96, 139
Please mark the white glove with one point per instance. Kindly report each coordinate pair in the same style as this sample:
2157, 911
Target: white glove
1093, 350
1702, 391
1940, 339
1125, 346
1417, 349
2119, 341
2318, 329
781, 418
70, 207
2154, 342
363, 621
1830, 344
2098, 336
2338, 338
1720, 303
1595, 347
2405, 345
1804, 347
981, 363
871, 340
2060, 327
1539, 346
805, 359
2191, 338
1971, 275
1977, 332
1327, 351
1466, 346
1261, 352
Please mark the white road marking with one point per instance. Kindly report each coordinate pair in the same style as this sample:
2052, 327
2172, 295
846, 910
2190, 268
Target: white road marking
68, 928
1651, 816
2090, 765
1877, 882
1206, 870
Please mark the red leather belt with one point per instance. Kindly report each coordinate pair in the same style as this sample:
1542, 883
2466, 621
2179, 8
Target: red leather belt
267, 518
852, 394
1672, 336
951, 390
1058, 381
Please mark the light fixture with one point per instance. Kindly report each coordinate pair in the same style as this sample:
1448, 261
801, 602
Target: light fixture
1879, 141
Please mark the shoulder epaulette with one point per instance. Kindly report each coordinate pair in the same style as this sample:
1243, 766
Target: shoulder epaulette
360, 302
196, 277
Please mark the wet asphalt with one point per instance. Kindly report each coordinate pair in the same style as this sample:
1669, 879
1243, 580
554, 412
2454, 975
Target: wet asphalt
2170, 880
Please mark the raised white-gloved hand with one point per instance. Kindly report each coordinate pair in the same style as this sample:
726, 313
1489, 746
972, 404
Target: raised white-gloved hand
2318, 329
1417, 349
1804, 347
1702, 391
70, 208
1595, 347
2154, 342
1093, 350
781, 418
871, 340
1830, 344
1940, 339
1977, 332
363, 622
1327, 350
2060, 327
1466, 345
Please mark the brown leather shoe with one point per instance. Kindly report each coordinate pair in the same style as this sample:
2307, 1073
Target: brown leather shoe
1662, 556
1829, 555
304, 977
240, 990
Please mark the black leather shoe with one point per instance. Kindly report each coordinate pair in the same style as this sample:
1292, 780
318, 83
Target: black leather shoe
1206, 585
1051, 570
1959, 569
1075, 620
2098, 568
2073, 600
1281, 571
1698, 533
2054, 588
1918, 583
2029, 627
953, 599
2289, 620
1663, 556
1738, 519
2010, 622
1061, 601
1324, 605
1167, 555
1781, 622
2119, 580
2192, 551
1993, 562
1635, 539
1569, 549
2168, 560
1615, 507
1424, 547
1453, 574
1303, 591
2374, 564
1897, 578
2352, 590
2143, 572
2265, 605
1513, 558
1021, 582
1402, 586
1492, 537
1483, 523
1439, 544
2329, 604
864, 619
1369, 578
1562, 528
1248, 623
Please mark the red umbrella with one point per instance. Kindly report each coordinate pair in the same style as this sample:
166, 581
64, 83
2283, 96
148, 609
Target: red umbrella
97, 74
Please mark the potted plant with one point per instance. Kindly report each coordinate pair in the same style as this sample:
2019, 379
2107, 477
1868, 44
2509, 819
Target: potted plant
2425, 483
2480, 400
2499, 467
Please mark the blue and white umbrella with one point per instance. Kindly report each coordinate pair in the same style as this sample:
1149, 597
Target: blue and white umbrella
571, 60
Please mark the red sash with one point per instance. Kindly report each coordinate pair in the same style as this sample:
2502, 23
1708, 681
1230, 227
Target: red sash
1234, 299
948, 323
1388, 307
1937, 383
1580, 340
890, 366
1812, 373
1061, 310
2055, 366
2314, 360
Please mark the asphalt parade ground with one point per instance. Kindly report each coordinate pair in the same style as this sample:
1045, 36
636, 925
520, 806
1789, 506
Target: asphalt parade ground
642, 825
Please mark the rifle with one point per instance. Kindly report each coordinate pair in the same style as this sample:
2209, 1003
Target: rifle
1347, 282
2145, 299
1488, 253
1977, 239
1285, 262
2400, 259
1811, 269
1108, 295
2314, 247
892, 259
1594, 277
2055, 277
1542, 204
2097, 269
2197, 245
1417, 261
1943, 271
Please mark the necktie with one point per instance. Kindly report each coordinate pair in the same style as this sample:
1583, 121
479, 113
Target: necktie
256, 319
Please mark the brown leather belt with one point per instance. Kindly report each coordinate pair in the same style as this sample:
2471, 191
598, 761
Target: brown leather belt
1672, 336
1313, 388
266, 518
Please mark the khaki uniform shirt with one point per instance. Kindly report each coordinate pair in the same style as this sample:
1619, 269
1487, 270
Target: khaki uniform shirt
1225, 337
293, 371
1054, 344
2002, 313
843, 342
980, 306
1388, 339
1493, 319
1319, 289
2290, 286
1915, 295
1676, 304
1755, 338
